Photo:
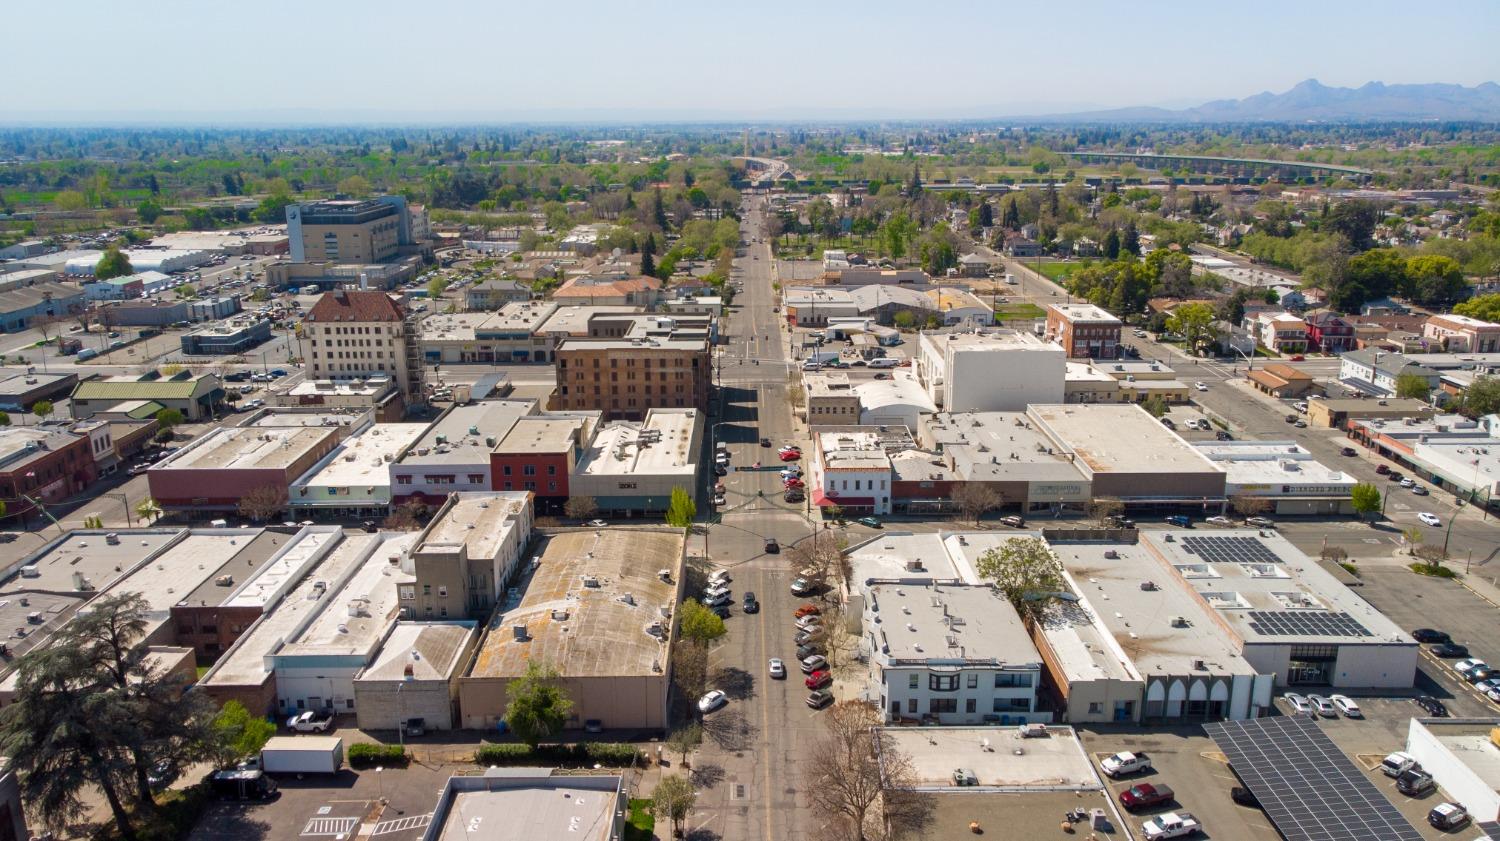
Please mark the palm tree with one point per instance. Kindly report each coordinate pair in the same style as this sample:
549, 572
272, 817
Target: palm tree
147, 509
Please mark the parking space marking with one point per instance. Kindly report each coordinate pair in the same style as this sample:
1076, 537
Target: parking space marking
329, 826
402, 824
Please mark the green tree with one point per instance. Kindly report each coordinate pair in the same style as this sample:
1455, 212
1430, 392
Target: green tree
4, 419
673, 799
70, 201
1354, 221
147, 509
1155, 405
700, 624
1195, 323
904, 319
1434, 279
648, 264
114, 263
1482, 307
685, 738
1412, 386
1481, 398
537, 706
148, 211
1365, 498
42, 409
681, 511
1027, 572
239, 734
168, 418
272, 209
355, 186
1112, 245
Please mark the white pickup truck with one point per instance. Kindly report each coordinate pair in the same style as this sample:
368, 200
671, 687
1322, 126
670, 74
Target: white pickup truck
1171, 825
1125, 763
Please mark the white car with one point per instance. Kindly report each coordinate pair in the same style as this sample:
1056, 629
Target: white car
713, 591
1297, 702
712, 701
598, 524
1407, 483
716, 601
777, 668
719, 577
1201, 386
1430, 519
1346, 705
1465, 665
1219, 521
1323, 706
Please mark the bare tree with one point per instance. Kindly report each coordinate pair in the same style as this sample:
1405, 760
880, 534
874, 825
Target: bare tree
690, 668
819, 558
855, 766
263, 502
580, 507
409, 516
1103, 507
975, 500
836, 636
47, 325
1249, 506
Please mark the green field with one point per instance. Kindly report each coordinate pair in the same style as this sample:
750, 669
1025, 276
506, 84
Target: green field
1017, 312
1054, 270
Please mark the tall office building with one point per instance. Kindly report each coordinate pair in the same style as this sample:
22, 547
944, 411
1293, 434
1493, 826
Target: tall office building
352, 333
348, 231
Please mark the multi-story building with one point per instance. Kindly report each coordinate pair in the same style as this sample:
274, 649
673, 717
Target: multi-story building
226, 337
1085, 331
949, 653
465, 557
42, 464
1461, 334
509, 335
1282, 332
354, 481
539, 455
354, 334
625, 377
830, 399
970, 372
219, 468
1329, 333
813, 307
494, 293
454, 454
1376, 372
366, 231
851, 469
630, 468
115, 289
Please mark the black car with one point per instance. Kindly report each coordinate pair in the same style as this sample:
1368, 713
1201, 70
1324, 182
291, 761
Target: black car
772, 547
1242, 796
794, 495
751, 605
1395, 476
1415, 783
1479, 674
1348, 451
765, 442
1430, 635
720, 610
721, 470
1450, 649
1223, 436
1431, 706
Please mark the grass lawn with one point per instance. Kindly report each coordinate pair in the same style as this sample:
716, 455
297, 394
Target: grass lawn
641, 825
1016, 312
1054, 271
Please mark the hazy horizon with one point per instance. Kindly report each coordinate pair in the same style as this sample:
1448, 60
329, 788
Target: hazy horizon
338, 61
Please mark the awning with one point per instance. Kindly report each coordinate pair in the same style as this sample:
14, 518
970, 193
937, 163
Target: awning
823, 499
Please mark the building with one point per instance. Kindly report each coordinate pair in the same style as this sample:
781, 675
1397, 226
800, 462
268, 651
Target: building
897, 401
1376, 372
830, 400
959, 308
1454, 333
1005, 452
465, 557
414, 676
1139, 380
1450, 451
530, 805
510, 334
355, 334
608, 291
1279, 380
626, 377
1084, 331
539, 455
1126, 454
157, 313
630, 468
948, 653
1083, 382
1283, 474
1281, 332
974, 265
266, 240
868, 275
163, 260
19, 392
884, 302
494, 293
115, 289
368, 231
328, 276
21, 307
1338, 414
194, 395
597, 606
1463, 758
21, 278
42, 464
1329, 333
354, 481
813, 307
219, 468
12, 813
454, 454
977, 372
851, 470
235, 335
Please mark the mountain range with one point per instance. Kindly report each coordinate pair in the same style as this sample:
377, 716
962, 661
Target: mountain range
1312, 100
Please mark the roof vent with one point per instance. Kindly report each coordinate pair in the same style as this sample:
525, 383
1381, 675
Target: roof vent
519, 632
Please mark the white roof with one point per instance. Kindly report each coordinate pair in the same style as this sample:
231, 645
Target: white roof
364, 459
663, 443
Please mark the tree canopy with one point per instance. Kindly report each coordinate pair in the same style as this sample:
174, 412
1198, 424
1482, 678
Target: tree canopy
1027, 572
537, 708
681, 511
114, 263
1365, 498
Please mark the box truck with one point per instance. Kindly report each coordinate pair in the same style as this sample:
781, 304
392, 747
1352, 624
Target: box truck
303, 755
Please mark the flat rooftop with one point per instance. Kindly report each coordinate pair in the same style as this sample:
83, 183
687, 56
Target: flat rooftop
943, 556
1012, 814
1084, 312
1268, 591
373, 587
1107, 578
827, 384
459, 437
1118, 439
998, 447
245, 662
25, 383
432, 649
847, 449
452, 327
999, 758
360, 387
536, 813
249, 448
272, 416
480, 520
87, 552
813, 297
665, 442
20, 445
598, 632
364, 460
251, 557
189, 563
925, 621
1470, 742
574, 321
261, 586
544, 434
1272, 463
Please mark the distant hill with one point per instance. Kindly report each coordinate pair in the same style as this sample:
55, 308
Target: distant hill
1312, 100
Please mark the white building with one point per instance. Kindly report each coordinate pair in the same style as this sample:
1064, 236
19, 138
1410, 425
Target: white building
976, 372
948, 652
355, 479
898, 401
631, 467
164, 260
850, 469
454, 453
1282, 472
960, 307
1376, 371
815, 306
1462, 757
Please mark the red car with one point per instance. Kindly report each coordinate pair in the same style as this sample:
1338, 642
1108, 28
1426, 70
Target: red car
786, 456
1298, 358
1145, 795
818, 680
794, 482
808, 609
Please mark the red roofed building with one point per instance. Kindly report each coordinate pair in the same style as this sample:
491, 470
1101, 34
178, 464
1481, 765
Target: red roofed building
358, 334
643, 291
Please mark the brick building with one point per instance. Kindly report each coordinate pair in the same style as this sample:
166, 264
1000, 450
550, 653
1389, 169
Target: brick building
1084, 330
42, 464
539, 455
623, 378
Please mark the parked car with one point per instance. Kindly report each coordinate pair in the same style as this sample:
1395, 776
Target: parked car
792, 483
818, 679
820, 699
794, 495
1219, 521
1415, 782
1398, 763
814, 663
1298, 703
1323, 706
1260, 522
1432, 706
1346, 705
1479, 674
1145, 796
808, 609
310, 721
777, 668
801, 587
1242, 796
872, 522
790, 456
1179, 520
1466, 664
1348, 451
1419, 490
716, 601
1448, 816
1171, 825
813, 634
712, 700
1449, 650
1430, 635
1125, 763
1383, 469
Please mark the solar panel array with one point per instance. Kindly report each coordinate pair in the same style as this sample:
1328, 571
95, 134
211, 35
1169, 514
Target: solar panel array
1230, 550
1306, 623
1491, 829
1305, 784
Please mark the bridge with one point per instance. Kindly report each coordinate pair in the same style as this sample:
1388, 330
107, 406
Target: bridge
1232, 167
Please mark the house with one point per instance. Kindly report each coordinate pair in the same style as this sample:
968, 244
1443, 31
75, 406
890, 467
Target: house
1383, 306
1279, 331
973, 265
1455, 333
1327, 332
1017, 245
1280, 380
1375, 371
495, 293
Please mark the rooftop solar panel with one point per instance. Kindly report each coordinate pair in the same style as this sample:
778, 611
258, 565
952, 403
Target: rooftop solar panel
1305, 784
1306, 623
1218, 549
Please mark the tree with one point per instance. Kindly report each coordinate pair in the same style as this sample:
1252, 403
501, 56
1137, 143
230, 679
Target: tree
240, 734
114, 263
855, 764
166, 419
1156, 405
1434, 279
681, 511
4, 419
1366, 499
1354, 221
1481, 398
263, 502
1130, 241
1194, 322
699, 624
673, 799
537, 707
1102, 508
1249, 506
147, 509
42, 409
580, 507
1482, 307
410, 516
648, 264
904, 319
1412, 537
1414, 386
820, 556
1027, 572
975, 500
148, 211
355, 186
1112, 245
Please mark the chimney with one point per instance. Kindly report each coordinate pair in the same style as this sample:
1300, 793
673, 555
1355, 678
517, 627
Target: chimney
341, 295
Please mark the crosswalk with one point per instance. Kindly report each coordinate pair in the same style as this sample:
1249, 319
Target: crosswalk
402, 824
329, 826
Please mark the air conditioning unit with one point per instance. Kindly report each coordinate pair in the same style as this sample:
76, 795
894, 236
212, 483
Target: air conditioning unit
1179, 622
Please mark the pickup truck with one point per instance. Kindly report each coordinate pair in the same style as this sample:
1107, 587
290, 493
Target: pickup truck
1145, 795
311, 721
1125, 763
1171, 825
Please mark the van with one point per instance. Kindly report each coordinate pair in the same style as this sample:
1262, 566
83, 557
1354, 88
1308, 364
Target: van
1180, 521
811, 365
885, 362
241, 784
1397, 764
87, 353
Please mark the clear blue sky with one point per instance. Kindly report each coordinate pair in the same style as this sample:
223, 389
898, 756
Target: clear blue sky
520, 59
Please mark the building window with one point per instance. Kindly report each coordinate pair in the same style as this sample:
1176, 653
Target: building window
1095, 708
911, 681
937, 706
942, 683
1006, 705
971, 705
911, 705
973, 681
426, 589
443, 590
408, 593
1012, 679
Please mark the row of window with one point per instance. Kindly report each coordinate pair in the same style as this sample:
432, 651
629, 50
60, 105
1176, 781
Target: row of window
531, 486
528, 470
857, 485
938, 706
949, 682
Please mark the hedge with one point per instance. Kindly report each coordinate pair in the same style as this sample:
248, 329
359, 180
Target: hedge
368, 754
588, 753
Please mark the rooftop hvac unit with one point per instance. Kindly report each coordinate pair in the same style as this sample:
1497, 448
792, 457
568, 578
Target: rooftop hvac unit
31, 571
1148, 586
112, 539
224, 581
1179, 622
590, 581
519, 632
34, 617
1200, 666
914, 565
560, 615
1111, 553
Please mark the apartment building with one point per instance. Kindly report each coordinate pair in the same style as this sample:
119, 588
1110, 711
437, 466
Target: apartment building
625, 377
1279, 331
463, 560
1461, 334
1084, 330
355, 334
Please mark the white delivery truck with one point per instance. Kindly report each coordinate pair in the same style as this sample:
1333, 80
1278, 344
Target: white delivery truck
302, 755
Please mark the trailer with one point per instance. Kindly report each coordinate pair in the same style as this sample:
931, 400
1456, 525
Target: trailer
303, 755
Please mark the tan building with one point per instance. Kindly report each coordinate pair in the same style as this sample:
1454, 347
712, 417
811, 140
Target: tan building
355, 334
415, 676
345, 231
463, 559
623, 378
598, 607
1461, 334
1280, 380
830, 400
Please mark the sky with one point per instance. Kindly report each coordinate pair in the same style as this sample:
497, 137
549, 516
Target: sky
502, 60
